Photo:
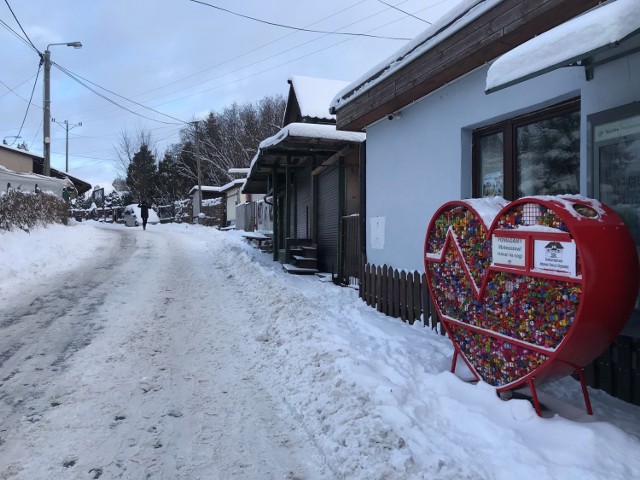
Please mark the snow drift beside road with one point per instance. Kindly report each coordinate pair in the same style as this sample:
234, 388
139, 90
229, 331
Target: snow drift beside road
373, 393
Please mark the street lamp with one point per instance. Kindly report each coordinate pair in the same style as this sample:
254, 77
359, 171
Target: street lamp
15, 137
46, 125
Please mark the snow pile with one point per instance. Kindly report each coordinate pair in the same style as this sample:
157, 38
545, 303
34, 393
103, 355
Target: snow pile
373, 395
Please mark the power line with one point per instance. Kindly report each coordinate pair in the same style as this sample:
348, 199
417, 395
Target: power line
299, 29
13, 90
124, 98
275, 66
269, 57
29, 104
17, 35
244, 54
78, 80
18, 22
406, 13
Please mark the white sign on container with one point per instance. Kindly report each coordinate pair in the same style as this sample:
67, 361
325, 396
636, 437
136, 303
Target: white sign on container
508, 251
554, 256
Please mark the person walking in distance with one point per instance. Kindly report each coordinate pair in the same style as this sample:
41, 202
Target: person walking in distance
144, 213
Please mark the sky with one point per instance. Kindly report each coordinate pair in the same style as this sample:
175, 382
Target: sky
288, 376
178, 60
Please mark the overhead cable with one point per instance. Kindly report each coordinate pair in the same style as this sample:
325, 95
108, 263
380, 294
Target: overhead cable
406, 13
77, 79
18, 22
28, 105
299, 29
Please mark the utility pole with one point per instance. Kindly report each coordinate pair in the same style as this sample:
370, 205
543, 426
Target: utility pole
197, 130
46, 122
66, 126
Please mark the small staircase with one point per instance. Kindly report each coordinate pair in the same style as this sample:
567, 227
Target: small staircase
303, 256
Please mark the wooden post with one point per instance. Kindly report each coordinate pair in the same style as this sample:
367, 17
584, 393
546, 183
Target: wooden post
276, 220
287, 214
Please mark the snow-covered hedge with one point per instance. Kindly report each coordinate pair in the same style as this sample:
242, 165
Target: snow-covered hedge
26, 210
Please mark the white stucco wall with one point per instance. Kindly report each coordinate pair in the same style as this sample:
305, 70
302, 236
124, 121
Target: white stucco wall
423, 159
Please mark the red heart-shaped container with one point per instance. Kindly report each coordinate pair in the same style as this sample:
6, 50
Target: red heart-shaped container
536, 294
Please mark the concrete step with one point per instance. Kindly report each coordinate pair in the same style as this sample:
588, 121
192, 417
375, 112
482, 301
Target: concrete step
304, 262
310, 251
298, 271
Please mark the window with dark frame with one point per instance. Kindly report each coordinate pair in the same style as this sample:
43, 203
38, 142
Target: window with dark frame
615, 142
533, 154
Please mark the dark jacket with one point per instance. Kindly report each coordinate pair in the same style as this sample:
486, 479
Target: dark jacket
144, 209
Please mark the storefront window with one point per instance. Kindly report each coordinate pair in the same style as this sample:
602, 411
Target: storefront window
617, 175
548, 156
534, 154
491, 164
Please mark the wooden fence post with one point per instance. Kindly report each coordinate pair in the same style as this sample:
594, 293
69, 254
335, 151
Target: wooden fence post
378, 289
396, 293
426, 301
403, 295
383, 291
417, 297
410, 310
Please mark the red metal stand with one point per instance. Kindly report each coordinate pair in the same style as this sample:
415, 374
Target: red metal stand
585, 392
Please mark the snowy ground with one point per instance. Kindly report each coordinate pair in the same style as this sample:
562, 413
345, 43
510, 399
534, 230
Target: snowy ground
184, 353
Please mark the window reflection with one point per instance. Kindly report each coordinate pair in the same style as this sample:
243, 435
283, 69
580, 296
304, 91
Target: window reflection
492, 164
548, 156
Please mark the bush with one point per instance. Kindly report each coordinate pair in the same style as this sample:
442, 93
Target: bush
26, 210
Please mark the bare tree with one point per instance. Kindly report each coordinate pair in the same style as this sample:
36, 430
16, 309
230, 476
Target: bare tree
128, 145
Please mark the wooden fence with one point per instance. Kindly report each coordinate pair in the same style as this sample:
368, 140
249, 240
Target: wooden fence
617, 370
405, 295
399, 294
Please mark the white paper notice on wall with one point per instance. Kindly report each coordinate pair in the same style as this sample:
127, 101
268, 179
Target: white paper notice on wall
377, 232
554, 256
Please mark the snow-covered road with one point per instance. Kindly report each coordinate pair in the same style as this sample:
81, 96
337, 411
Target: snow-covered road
140, 365
182, 352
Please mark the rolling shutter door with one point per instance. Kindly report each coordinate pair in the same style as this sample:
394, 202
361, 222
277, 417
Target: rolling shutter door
328, 220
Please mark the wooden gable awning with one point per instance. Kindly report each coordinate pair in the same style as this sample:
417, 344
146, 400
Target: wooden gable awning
291, 147
445, 53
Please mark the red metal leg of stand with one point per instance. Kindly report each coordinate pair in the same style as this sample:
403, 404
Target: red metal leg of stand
534, 395
585, 392
454, 361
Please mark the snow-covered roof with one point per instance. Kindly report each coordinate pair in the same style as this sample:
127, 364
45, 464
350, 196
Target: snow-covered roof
28, 181
223, 188
314, 95
205, 188
566, 44
241, 171
311, 131
458, 17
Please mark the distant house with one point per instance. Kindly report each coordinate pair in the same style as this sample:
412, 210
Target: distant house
210, 198
503, 97
25, 162
218, 203
233, 197
308, 173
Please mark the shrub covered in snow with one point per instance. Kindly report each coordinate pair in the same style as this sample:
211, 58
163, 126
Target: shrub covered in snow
26, 210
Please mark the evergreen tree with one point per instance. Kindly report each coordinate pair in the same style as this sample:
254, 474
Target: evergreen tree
142, 175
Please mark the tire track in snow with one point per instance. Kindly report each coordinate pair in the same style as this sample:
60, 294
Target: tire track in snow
166, 387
